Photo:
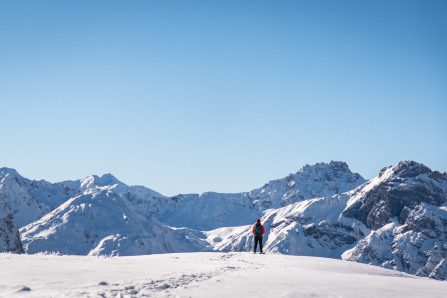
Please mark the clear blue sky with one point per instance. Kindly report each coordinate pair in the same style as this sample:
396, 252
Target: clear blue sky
194, 96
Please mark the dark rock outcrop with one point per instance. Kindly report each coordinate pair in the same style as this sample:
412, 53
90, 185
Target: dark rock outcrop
419, 246
406, 185
9, 233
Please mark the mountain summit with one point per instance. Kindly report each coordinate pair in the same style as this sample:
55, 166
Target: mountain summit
396, 220
106, 180
211, 210
396, 190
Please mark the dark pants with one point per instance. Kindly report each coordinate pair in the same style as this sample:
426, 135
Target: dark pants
258, 239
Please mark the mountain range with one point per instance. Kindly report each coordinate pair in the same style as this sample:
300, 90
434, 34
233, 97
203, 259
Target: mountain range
397, 220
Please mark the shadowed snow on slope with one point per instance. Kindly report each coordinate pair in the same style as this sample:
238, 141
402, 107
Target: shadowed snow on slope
419, 246
17, 193
396, 220
101, 222
9, 233
211, 210
312, 227
29, 200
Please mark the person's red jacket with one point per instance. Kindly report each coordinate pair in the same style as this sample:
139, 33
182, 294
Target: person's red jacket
263, 230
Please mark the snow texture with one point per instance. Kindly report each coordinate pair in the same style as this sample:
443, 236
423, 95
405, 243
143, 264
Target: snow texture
396, 220
101, 222
204, 275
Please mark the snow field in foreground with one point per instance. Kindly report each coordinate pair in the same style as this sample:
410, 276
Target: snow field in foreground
204, 275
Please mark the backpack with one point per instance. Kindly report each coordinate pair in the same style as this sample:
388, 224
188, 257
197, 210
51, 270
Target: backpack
258, 229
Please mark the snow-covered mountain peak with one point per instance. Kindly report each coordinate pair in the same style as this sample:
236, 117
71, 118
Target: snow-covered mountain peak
397, 220
401, 174
215, 210
106, 180
334, 166
404, 185
100, 221
7, 179
334, 172
10, 176
5, 171
405, 169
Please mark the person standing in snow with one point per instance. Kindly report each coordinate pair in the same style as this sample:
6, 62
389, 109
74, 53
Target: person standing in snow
258, 231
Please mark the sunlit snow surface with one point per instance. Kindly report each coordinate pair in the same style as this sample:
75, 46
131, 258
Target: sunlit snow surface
204, 275
396, 220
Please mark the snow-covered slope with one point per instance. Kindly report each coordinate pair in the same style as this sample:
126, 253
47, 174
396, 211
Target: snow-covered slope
407, 207
312, 227
17, 193
312, 181
30, 200
100, 222
108, 217
211, 210
397, 189
419, 246
397, 220
204, 275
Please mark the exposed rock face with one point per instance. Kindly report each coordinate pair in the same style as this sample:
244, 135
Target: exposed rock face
406, 208
419, 246
402, 186
133, 213
9, 233
397, 220
311, 227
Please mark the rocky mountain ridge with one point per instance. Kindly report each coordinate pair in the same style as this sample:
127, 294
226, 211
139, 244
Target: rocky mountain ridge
396, 220
9, 233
